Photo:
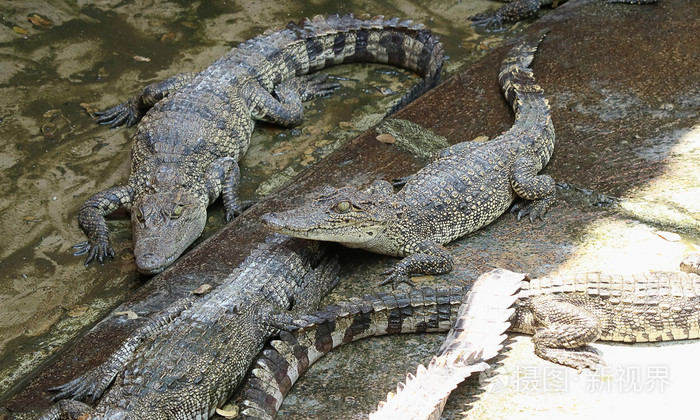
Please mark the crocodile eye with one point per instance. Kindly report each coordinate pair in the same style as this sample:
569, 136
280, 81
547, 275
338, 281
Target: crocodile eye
139, 215
177, 211
342, 207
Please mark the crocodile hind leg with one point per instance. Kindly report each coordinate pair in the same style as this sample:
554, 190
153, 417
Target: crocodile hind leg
429, 258
563, 332
95, 382
287, 110
539, 189
92, 222
131, 111
223, 179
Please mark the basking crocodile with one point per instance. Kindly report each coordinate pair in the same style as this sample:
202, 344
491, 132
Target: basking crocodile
467, 187
187, 361
516, 10
194, 127
563, 313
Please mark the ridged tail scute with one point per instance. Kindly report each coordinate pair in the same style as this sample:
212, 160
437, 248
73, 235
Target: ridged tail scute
312, 336
313, 44
476, 337
515, 75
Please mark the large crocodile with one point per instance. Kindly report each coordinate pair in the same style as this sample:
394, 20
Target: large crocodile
467, 187
185, 362
194, 127
564, 314
516, 10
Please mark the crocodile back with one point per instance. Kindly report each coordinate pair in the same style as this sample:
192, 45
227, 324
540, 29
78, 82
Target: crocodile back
192, 366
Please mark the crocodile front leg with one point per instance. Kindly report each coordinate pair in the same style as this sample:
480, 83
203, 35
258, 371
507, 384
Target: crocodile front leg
430, 258
540, 189
287, 110
224, 179
92, 222
95, 382
563, 331
131, 111
62, 410
514, 11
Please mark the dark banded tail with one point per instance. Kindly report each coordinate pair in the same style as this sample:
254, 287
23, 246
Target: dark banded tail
313, 44
415, 311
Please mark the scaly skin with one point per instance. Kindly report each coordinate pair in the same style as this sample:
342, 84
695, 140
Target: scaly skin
516, 10
564, 314
187, 361
468, 186
194, 127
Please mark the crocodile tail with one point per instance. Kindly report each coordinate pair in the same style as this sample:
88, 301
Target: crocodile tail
515, 76
290, 356
312, 44
477, 336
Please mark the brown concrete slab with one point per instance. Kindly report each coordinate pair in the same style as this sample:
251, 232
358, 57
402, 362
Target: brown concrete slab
623, 85
622, 81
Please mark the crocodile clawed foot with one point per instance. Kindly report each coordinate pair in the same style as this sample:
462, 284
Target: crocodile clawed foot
492, 22
395, 278
691, 263
234, 212
400, 182
535, 210
584, 357
314, 86
97, 251
125, 113
89, 385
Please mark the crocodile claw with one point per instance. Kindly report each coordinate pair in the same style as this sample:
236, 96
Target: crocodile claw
491, 21
92, 384
95, 251
585, 357
125, 113
691, 263
314, 86
395, 278
535, 210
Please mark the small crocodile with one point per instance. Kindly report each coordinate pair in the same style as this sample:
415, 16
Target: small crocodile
468, 186
194, 127
187, 361
516, 10
564, 314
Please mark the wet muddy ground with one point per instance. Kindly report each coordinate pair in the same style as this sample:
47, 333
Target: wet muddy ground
626, 111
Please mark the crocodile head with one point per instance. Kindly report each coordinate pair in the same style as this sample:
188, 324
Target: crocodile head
346, 215
164, 225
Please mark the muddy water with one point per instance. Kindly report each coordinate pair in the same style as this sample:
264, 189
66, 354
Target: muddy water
61, 58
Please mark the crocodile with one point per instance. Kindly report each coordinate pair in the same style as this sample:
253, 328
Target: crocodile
194, 127
517, 10
563, 313
466, 187
186, 361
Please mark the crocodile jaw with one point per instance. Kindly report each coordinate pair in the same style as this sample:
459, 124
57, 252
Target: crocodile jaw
159, 237
354, 229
